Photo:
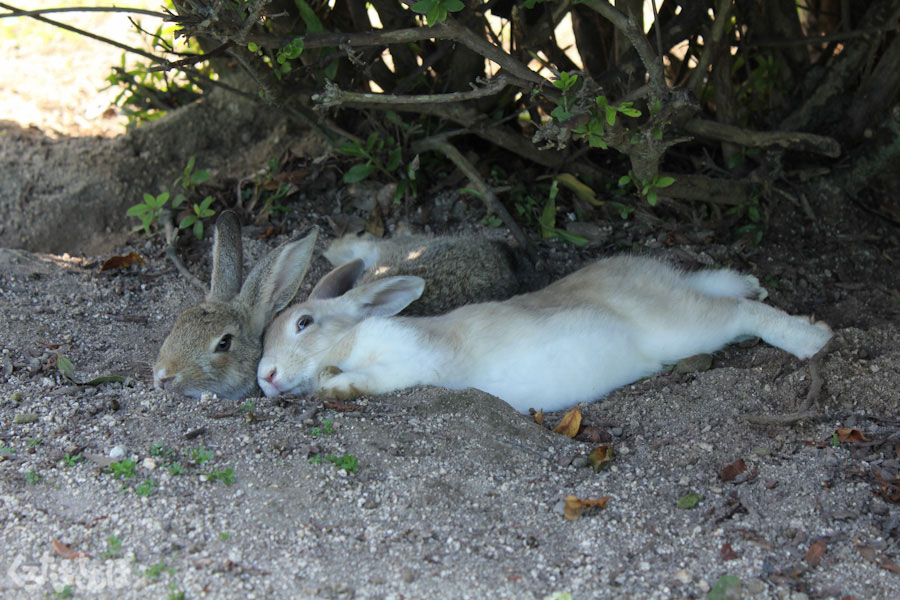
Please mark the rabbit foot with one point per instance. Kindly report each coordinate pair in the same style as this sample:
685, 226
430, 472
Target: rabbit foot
334, 383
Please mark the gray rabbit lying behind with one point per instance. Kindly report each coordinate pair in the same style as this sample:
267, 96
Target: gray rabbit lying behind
457, 270
599, 328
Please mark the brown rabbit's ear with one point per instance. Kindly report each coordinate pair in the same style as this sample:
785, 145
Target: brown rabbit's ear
337, 281
274, 282
225, 282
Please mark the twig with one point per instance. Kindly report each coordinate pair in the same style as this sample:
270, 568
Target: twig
18, 12
792, 140
812, 396
493, 205
629, 28
711, 46
333, 95
173, 257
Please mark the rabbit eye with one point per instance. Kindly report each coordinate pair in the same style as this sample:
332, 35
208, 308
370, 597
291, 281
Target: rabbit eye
224, 344
304, 322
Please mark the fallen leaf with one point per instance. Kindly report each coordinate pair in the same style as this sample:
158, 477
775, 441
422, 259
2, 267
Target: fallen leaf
726, 552
122, 262
594, 435
845, 434
539, 417
600, 457
48, 346
815, 553
570, 423
726, 587
375, 223
733, 470
576, 507
689, 500
66, 552
65, 367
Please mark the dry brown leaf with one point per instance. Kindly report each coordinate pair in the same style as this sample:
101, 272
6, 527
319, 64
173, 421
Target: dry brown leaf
600, 457
726, 552
570, 424
815, 553
539, 417
733, 470
66, 552
375, 223
122, 262
576, 507
845, 434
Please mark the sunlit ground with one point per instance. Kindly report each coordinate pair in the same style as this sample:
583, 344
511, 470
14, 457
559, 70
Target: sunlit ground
52, 79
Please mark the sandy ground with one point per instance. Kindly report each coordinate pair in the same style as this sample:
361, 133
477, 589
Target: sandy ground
455, 494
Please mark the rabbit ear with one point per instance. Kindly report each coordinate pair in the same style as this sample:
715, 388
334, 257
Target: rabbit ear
386, 297
225, 282
338, 280
274, 282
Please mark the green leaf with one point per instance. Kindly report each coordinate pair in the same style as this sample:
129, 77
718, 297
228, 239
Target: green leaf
351, 149
689, 500
65, 367
453, 5
187, 221
664, 182
611, 115
199, 177
395, 158
159, 201
548, 219
624, 180
371, 141
178, 200
204, 206
148, 198
423, 6
572, 238
252, 47
198, 230
358, 172
725, 587
190, 166
137, 210
471, 192
560, 114
105, 379
652, 197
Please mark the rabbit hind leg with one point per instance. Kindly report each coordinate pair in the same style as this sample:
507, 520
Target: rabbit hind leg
801, 336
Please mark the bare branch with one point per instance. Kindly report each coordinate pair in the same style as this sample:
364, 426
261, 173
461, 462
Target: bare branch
792, 140
333, 95
17, 12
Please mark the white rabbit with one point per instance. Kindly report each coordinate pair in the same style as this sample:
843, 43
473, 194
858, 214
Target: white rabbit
604, 326
215, 346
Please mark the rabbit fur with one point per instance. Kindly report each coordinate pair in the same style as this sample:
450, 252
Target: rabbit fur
215, 346
457, 270
599, 328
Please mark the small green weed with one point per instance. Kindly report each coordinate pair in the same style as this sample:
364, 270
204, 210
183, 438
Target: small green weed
122, 469
146, 488
226, 476
200, 455
150, 210
71, 460
347, 462
32, 477
224, 536
113, 547
65, 591
175, 469
327, 428
154, 571
7, 450
34, 442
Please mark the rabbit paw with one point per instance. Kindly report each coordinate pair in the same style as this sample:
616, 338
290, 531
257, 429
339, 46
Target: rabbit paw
337, 385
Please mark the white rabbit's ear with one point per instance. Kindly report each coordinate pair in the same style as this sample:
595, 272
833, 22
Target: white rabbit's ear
274, 282
225, 282
338, 280
386, 297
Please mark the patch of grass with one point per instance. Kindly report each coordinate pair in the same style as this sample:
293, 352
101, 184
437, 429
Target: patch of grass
154, 571
65, 591
161, 451
175, 469
32, 477
34, 442
224, 536
200, 455
71, 460
327, 428
146, 487
226, 476
347, 462
7, 450
248, 406
122, 469
113, 547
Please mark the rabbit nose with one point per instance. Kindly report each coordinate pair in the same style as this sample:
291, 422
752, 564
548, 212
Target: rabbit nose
270, 376
161, 382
